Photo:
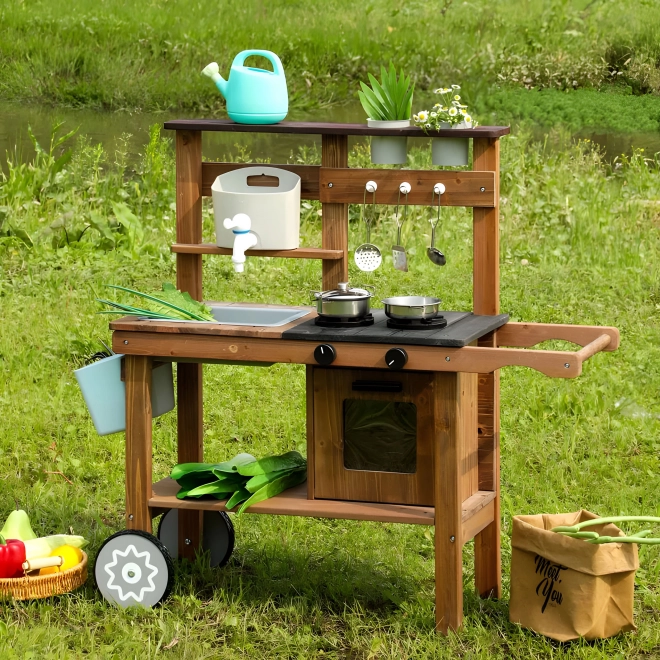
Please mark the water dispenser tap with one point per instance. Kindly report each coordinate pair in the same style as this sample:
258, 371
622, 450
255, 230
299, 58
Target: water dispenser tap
244, 239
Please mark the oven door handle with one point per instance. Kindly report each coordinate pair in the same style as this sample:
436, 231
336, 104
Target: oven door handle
389, 386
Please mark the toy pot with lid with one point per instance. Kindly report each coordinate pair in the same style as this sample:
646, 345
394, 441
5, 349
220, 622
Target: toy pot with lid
254, 96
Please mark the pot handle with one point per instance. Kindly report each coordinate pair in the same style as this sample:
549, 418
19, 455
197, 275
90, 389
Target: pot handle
408, 306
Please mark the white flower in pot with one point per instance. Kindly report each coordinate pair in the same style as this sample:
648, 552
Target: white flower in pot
449, 113
388, 104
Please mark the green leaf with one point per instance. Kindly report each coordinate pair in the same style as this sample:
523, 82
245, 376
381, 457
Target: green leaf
378, 109
20, 234
372, 111
215, 487
239, 496
275, 488
289, 461
262, 479
187, 308
233, 464
184, 469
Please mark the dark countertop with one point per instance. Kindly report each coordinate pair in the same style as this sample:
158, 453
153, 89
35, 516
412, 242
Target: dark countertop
461, 330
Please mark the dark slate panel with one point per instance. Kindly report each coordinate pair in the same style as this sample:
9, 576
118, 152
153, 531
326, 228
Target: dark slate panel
462, 329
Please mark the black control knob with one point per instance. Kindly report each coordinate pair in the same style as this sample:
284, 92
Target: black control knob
396, 358
325, 354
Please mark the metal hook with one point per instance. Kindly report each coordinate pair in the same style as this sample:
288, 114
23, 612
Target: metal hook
439, 190
404, 188
371, 186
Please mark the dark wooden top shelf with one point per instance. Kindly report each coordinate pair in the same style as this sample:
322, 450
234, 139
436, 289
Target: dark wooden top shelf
320, 128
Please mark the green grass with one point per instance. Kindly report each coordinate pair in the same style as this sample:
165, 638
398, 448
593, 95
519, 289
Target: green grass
303, 588
580, 109
111, 55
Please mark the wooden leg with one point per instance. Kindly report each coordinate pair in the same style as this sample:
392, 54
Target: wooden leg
487, 552
309, 391
190, 448
455, 410
138, 442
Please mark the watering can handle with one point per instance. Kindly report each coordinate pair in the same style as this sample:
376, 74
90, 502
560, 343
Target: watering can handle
239, 60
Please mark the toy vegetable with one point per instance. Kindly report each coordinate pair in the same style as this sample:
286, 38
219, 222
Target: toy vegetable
574, 531
12, 556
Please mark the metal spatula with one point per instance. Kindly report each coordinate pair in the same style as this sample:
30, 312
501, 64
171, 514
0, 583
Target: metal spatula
399, 256
437, 257
367, 256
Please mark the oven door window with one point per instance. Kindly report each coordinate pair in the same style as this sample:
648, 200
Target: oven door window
380, 436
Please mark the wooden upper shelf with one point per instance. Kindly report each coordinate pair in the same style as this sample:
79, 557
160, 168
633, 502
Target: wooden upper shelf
320, 128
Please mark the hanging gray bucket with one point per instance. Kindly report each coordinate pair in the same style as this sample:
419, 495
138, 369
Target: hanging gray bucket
386, 149
450, 151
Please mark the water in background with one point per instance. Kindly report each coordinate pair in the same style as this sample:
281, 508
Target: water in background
106, 128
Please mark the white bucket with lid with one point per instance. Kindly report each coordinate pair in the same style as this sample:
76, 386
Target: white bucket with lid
269, 195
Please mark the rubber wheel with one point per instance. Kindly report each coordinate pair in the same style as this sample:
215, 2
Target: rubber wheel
218, 538
133, 568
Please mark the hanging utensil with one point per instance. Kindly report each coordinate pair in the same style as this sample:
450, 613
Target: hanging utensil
432, 252
367, 256
399, 256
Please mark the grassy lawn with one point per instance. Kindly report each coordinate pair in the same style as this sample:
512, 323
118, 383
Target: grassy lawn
579, 244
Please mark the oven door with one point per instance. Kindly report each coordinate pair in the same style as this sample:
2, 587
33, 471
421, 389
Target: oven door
373, 435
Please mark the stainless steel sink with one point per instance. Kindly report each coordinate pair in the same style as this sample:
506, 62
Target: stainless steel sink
257, 316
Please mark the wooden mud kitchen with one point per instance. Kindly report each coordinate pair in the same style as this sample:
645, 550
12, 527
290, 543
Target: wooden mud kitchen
437, 388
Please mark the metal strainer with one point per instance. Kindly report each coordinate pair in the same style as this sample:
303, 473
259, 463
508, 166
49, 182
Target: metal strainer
367, 256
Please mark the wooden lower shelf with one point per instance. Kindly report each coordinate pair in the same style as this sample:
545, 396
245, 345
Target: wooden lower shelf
294, 502
298, 253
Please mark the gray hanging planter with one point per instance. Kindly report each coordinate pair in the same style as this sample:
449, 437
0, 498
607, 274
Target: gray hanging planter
451, 151
389, 150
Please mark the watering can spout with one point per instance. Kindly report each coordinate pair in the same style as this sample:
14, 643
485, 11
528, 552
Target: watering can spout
213, 72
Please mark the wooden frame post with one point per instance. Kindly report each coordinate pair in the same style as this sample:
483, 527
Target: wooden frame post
138, 442
486, 295
189, 278
455, 403
334, 153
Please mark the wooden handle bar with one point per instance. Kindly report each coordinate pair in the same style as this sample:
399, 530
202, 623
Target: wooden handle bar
526, 335
594, 347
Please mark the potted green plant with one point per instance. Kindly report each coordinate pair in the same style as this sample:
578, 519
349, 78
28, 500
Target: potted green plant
448, 113
388, 104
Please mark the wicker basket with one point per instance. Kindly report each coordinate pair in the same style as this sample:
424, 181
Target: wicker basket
43, 586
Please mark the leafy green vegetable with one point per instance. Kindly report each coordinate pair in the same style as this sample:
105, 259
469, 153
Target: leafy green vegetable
212, 488
239, 496
262, 479
289, 461
171, 304
242, 478
187, 469
275, 488
233, 464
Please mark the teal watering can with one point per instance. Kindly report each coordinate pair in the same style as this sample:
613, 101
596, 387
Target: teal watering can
254, 96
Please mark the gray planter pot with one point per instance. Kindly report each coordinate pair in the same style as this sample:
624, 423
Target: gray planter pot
388, 150
451, 151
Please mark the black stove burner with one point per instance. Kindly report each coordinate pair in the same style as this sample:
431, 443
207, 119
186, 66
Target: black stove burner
417, 324
344, 321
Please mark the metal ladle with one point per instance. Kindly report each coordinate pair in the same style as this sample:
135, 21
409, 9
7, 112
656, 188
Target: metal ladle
437, 257
367, 256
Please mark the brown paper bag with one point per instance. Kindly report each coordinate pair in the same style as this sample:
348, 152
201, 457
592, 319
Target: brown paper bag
567, 588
